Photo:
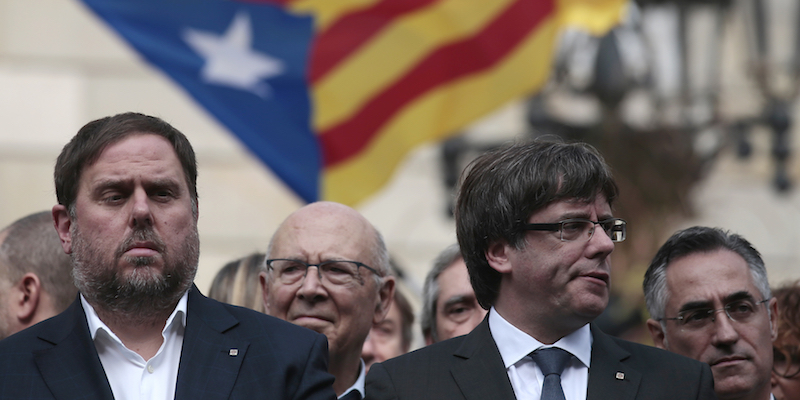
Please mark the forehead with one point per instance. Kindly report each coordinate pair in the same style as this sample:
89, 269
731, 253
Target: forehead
317, 234
454, 278
708, 276
143, 153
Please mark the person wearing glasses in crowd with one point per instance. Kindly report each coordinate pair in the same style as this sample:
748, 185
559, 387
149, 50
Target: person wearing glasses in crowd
709, 299
449, 307
536, 229
786, 348
327, 269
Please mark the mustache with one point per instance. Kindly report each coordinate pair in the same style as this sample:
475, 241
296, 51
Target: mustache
140, 235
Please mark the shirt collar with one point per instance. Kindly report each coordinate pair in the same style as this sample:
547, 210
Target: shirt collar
515, 344
96, 325
359, 385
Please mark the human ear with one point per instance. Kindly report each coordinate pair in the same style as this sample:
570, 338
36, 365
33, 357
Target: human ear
657, 333
63, 223
262, 277
386, 296
497, 255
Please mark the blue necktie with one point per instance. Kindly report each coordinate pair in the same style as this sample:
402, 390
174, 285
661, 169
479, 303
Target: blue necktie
551, 361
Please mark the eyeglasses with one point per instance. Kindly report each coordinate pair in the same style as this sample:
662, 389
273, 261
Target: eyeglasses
583, 229
741, 311
336, 272
785, 363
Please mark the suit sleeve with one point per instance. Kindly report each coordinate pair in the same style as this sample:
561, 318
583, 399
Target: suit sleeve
379, 384
317, 383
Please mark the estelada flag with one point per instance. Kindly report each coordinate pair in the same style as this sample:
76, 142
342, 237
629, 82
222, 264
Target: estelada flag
331, 94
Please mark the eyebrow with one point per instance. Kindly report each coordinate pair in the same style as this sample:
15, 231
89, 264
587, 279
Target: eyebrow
740, 295
459, 298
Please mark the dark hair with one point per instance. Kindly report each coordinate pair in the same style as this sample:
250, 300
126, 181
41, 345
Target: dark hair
788, 341
237, 283
503, 188
406, 318
90, 141
431, 290
32, 245
697, 239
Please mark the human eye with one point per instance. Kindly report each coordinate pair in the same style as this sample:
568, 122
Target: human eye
288, 267
740, 309
112, 197
695, 317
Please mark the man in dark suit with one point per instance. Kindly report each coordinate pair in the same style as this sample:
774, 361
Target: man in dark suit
127, 215
535, 227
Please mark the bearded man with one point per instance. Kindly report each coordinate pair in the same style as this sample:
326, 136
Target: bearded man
127, 214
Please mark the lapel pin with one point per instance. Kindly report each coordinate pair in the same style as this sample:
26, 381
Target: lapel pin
620, 375
235, 352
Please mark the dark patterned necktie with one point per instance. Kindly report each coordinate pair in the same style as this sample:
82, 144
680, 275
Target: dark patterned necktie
351, 395
552, 362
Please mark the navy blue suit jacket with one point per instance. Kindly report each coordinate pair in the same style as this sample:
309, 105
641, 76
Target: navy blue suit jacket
57, 359
470, 368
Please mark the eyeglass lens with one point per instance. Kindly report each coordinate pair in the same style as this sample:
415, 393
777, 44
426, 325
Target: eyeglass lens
741, 311
335, 272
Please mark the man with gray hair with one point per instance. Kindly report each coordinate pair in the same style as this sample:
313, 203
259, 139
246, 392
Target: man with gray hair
709, 299
35, 281
450, 307
348, 290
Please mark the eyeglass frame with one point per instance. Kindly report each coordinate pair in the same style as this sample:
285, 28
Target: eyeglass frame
559, 227
712, 313
792, 359
358, 264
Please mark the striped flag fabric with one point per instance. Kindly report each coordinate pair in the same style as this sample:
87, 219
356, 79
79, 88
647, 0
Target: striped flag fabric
332, 106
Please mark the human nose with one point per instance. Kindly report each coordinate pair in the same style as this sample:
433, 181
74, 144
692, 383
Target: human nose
311, 285
141, 214
725, 332
368, 350
600, 242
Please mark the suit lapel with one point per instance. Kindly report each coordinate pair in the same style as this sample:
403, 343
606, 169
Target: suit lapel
481, 374
609, 377
210, 360
71, 368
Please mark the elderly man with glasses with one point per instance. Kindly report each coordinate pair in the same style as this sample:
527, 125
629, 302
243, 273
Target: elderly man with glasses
709, 299
327, 269
536, 229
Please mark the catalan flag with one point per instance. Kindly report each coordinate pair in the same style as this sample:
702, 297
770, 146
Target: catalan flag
332, 106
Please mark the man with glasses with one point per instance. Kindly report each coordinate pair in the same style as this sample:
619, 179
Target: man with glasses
327, 269
536, 229
709, 299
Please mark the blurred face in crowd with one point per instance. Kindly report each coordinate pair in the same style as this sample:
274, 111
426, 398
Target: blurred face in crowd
345, 313
385, 339
700, 287
457, 308
786, 376
133, 236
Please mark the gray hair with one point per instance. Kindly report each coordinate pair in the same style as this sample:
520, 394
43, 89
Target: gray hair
697, 239
33, 245
430, 292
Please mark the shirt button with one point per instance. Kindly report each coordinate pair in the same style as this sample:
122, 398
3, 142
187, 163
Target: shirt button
150, 369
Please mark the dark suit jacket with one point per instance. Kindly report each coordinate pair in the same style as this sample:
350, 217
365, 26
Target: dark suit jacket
470, 367
57, 359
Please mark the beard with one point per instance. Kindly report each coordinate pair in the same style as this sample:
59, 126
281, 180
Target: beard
143, 292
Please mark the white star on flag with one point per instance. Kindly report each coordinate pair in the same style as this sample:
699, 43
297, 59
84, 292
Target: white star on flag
231, 60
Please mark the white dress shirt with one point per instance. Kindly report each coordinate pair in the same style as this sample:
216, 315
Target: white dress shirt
526, 377
132, 377
360, 382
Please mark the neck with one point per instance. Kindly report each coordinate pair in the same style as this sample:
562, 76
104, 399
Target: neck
541, 326
139, 333
345, 368
762, 393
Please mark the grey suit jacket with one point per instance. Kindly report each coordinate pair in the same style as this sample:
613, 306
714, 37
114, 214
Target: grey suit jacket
470, 367
57, 359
